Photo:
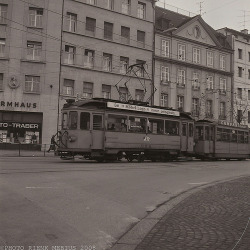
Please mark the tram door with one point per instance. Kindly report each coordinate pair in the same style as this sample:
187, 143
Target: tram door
97, 131
187, 133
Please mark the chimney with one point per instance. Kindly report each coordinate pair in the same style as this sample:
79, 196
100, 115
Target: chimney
245, 31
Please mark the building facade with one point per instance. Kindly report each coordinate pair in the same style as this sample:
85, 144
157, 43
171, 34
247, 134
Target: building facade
193, 66
241, 100
69, 49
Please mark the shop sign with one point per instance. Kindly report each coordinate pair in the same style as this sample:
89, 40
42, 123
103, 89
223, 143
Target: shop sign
18, 104
232, 124
18, 125
142, 109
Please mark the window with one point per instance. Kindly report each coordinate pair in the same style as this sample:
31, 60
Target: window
240, 53
90, 26
164, 100
164, 74
239, 71
209, 109
110, 4
2, 47
141, 10
117, 123
106, 91
69, 56
125, 34
137, 125
196, 55
92, 2
71, 21
84, 121
248, 94
181, 52
107, 62
32, 84
172, 127
3, 13
222, 110
68, 87
108, 31
223, 86
249, 74
73, 117
140, 68
165, 48
195, 106
35, 17
89, 58
248, 56
210, 59
64, 121
1, 81
239, 116
180, 102
124, 63
123, 92
34, 50
210, 82
239, 93
139, 95
125, 6
248, 116
222, 62
87, 90
140, 38
181, 79
155, 126
97, 122
195, 81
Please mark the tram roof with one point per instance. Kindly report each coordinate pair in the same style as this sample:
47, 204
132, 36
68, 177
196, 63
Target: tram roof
128, 106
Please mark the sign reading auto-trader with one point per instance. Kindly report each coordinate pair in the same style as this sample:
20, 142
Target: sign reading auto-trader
142, 109
19, 125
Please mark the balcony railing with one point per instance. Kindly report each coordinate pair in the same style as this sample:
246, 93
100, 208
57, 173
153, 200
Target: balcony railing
88, 61
69, 58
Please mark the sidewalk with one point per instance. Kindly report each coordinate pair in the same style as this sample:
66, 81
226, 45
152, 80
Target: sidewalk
209, 217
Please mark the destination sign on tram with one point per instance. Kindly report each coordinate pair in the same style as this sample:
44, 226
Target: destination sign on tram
131, 107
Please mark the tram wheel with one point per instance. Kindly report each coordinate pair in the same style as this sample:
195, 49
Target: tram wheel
130, 158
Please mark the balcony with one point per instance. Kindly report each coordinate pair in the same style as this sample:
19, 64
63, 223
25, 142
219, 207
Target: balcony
88, 62
68, 58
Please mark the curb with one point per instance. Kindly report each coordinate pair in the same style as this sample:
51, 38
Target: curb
132, 238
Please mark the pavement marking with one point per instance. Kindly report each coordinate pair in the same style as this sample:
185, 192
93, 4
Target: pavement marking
40, 187
197, 183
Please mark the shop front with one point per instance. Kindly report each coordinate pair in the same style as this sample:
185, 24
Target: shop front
20, 129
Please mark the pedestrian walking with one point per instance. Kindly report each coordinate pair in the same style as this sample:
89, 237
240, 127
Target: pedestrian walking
52, 144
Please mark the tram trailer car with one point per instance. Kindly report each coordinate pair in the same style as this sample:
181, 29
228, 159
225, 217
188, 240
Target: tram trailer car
109, 130
221, 141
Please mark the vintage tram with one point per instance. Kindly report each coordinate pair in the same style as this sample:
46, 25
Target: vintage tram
108, 130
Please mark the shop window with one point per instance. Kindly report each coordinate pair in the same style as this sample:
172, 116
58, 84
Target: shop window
171, 128
137, 125
73, 120
155, 126
117, 123
97, 122
84, 120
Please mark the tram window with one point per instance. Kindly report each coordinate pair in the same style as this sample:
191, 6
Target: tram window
137, 125
219, 134
191, 130
246, 137
241, 136
234, 136
64, 121
117, 123
72, 120
212, 133
172, 127
225, 136
97, 122
206, 133
199, 133
184, 129
155, 126
84, 120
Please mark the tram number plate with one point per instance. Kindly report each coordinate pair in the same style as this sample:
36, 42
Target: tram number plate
146, 138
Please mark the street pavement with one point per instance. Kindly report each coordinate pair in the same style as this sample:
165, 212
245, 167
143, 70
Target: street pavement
214, 217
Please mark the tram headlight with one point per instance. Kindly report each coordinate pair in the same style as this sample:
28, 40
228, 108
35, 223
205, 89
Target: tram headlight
72, 138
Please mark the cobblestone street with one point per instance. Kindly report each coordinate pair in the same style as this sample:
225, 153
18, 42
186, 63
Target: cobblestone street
216, 217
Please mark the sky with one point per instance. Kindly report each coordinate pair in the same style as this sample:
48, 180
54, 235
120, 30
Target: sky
216, 13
